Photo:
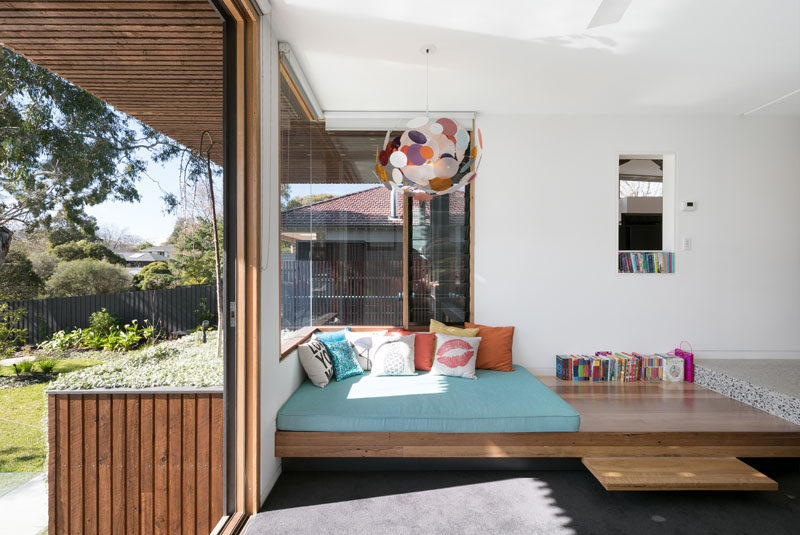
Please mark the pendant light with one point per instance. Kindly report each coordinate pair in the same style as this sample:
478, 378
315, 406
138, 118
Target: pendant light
435, 156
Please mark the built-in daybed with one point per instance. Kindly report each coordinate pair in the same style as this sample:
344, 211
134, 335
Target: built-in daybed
515, 414
496, 402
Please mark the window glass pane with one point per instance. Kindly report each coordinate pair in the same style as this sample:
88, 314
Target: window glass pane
440, 259
341, 229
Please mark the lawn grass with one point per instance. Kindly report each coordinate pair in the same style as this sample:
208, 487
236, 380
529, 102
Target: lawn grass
23, 443
62, 366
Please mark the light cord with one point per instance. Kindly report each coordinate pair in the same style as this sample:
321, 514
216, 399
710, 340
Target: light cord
427, 82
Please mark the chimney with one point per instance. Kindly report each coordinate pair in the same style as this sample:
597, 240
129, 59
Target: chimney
393, 204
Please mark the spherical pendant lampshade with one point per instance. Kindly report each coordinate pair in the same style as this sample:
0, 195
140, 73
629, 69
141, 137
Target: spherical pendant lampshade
432, 157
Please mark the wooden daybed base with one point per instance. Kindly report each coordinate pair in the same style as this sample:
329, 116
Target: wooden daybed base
305, 444
617, 420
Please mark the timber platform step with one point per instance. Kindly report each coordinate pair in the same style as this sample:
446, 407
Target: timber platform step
677, 473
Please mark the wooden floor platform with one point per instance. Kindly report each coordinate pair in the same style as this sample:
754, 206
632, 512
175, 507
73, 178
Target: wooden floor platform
629, 419
672, 473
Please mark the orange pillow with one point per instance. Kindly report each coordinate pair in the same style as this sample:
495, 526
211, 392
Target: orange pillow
423, 348
494, 353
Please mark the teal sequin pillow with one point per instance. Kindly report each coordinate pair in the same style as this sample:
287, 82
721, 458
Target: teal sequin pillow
345, 361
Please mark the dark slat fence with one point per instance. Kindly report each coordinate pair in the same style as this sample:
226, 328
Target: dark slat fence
349, 293
173, 309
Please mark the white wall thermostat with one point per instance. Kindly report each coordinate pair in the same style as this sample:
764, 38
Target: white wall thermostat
688, 206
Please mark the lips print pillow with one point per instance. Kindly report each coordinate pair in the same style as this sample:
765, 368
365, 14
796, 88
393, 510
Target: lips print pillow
455, 356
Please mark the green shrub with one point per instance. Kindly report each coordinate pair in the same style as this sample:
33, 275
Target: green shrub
77, 250
103, 321
47, 365
154, 276
126, 338
87, 277
11, 336
203, 313
63, 340
18, 280
26, 366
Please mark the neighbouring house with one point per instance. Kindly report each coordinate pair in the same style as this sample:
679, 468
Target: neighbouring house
136, 260
342, 257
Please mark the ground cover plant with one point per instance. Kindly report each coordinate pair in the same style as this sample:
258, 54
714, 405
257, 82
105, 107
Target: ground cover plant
183, 362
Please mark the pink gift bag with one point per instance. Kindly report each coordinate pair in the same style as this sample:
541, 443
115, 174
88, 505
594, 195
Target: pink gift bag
688, 360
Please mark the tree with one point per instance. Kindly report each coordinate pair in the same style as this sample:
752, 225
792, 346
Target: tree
62, 149
285, 196
44, 263
193, 262
215, 238
297, 202
5, 242
118, 239
154, 276
18, 280
87, 277
84, 249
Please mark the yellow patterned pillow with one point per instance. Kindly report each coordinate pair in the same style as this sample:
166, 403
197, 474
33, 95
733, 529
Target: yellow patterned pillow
441, 328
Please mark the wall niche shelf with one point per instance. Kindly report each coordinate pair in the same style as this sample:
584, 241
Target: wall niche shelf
645, 262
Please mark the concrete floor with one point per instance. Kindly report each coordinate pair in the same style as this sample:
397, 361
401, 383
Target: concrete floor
23, 503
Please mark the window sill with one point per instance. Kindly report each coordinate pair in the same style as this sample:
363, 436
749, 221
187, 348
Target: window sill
302, 337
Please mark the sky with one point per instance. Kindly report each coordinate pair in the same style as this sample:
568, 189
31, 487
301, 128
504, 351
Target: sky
147, 218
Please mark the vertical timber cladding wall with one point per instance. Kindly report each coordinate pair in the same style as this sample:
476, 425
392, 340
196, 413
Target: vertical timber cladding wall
144, 463
545, 247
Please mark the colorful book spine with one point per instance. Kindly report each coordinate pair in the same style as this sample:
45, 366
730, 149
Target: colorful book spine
646, 262
605, 366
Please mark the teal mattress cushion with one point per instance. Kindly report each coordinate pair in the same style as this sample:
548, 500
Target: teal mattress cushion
497, 402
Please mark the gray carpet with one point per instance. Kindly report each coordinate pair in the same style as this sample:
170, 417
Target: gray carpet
538, 501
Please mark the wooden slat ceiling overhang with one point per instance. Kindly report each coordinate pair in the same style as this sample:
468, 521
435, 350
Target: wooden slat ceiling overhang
159, 61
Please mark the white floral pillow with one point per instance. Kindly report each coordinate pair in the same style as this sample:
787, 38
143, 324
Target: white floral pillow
455, 356
363, 345
393, 355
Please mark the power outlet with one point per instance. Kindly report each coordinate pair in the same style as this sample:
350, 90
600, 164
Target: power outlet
686, 245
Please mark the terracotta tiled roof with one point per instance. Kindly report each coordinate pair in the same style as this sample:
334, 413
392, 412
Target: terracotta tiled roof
366, 208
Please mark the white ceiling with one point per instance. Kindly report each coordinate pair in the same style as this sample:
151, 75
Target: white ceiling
536, 56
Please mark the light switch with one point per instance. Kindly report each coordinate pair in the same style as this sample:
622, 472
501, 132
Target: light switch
687, 244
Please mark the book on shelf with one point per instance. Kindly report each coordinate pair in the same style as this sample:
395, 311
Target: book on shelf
605, 366
645, 262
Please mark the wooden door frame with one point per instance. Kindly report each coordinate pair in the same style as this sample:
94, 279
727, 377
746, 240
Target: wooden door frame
242, 126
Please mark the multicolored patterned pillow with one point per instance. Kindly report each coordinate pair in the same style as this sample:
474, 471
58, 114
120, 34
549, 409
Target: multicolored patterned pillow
455, 356
345, 361
393, 355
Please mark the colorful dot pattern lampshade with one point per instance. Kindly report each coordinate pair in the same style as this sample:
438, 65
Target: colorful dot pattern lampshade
432, 157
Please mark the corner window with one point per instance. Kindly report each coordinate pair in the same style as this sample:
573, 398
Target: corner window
344, 253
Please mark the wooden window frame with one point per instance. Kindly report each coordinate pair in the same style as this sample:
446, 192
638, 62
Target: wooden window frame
242, 146
304, 334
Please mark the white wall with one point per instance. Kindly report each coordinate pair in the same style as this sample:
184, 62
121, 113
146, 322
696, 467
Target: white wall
545, 248
278, 379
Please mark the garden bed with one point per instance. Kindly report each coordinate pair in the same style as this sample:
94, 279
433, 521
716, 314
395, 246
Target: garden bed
186, 362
